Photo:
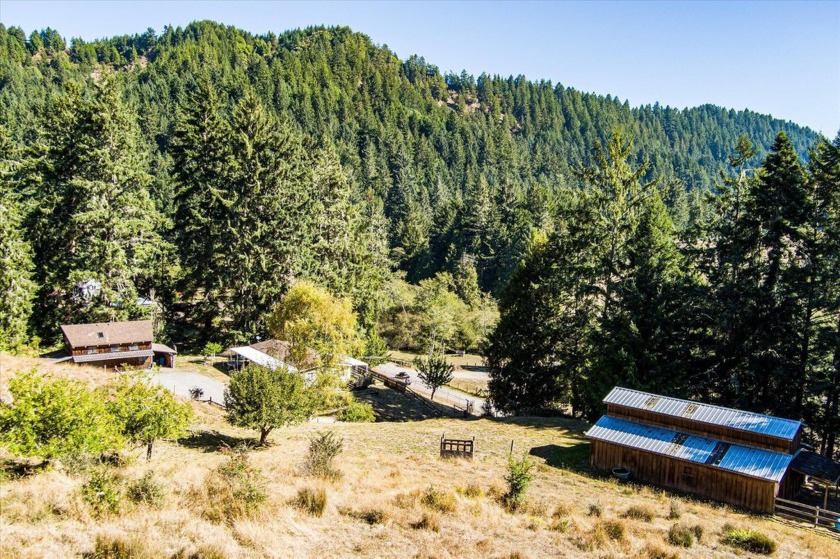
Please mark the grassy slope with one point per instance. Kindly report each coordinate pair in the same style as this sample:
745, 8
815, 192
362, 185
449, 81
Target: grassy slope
44, 516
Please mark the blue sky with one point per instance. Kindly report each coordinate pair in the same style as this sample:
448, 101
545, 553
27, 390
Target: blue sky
781, 58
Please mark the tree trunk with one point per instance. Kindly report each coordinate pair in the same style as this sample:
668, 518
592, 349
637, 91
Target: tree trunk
264, 431
833, 400
149, 450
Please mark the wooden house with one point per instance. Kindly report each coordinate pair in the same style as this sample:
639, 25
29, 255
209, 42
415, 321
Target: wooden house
737, 457
116, 344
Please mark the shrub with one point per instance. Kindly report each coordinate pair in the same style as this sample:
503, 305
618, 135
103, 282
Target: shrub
640, 513
201, 552
196, 392
147, 490
370, 515
56, 418
562, 510
234, 490
311, 501
519, 477
562, 525
609, 530
120, 547
656, 552
748, 540
323, 449
698, 532
681, 535
438, 500
595, 509
103, 491
211, 349
429, 521
473, 490
676, 511
358, 412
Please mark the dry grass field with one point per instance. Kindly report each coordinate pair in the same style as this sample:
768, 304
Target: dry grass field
394, 498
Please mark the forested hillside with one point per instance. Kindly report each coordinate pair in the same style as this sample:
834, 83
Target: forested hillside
690, 252
461, 164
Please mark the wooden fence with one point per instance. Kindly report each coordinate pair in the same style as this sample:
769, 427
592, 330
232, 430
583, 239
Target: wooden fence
456, 448
816, 516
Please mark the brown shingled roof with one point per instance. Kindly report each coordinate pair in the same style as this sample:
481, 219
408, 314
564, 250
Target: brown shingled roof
107, 333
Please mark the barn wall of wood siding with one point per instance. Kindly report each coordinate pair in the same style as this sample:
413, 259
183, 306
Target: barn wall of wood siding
710, 431
689, 477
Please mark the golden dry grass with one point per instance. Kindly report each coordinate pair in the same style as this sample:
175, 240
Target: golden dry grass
381, 506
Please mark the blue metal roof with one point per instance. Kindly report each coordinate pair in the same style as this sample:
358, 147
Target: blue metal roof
753, 462
705, 413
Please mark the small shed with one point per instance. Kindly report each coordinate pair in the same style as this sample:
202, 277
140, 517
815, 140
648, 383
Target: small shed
820, 468
163, 355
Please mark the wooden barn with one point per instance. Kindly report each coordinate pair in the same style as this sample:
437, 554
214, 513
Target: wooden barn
116, 344
737, 457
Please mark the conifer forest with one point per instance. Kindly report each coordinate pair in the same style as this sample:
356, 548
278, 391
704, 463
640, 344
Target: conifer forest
574, 241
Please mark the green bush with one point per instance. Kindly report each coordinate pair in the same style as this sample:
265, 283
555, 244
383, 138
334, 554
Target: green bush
748, 540
640, 513
518, 479
56, 418
211, 349
358, 412
312, 501
438, 500
147, 490
103, 491
323, 449
681, 535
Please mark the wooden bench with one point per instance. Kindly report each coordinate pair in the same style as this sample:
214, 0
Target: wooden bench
456, 448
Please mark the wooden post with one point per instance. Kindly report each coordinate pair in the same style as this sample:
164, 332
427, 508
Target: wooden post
817, 518
511, 447
825, 498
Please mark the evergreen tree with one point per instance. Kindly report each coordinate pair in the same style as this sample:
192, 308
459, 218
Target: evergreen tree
95, 231
17, 289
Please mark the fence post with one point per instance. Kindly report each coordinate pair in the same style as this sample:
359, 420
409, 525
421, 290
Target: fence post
817, 518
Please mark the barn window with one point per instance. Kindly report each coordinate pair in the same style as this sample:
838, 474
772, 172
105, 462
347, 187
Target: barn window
688, 474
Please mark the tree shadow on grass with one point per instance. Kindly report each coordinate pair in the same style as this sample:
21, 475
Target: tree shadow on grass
393, 406
213, 441
573, 457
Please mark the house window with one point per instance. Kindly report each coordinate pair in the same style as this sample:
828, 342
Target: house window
133, 347
91, 350
115, 349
